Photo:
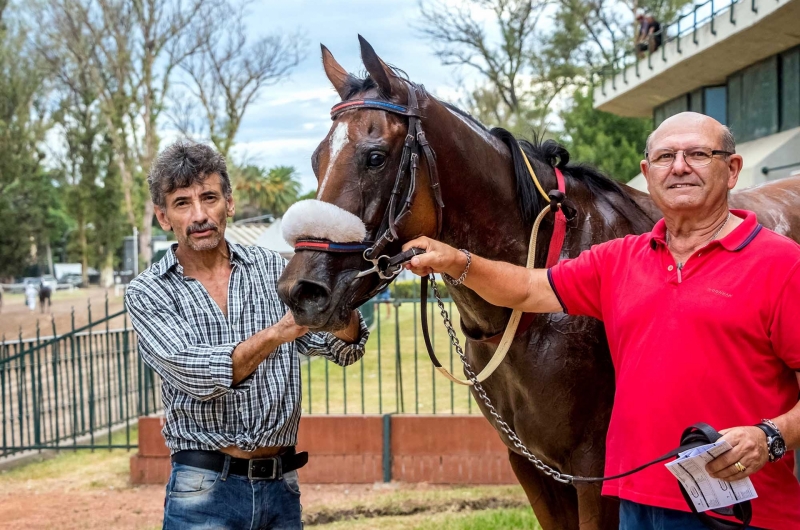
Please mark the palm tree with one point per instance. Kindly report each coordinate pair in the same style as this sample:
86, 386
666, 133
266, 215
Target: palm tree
269, 191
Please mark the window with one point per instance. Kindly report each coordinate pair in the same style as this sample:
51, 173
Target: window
753, 101
715, 104
670, 108
790, 89
696, 101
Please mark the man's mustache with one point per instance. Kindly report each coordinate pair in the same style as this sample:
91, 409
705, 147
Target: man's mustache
200, 228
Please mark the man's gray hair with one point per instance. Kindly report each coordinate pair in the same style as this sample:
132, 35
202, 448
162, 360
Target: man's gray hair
728, 141
182, 164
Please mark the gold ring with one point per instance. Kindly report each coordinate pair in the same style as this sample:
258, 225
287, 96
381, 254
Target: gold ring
740, 467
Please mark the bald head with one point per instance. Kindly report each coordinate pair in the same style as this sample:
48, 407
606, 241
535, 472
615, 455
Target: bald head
716, 134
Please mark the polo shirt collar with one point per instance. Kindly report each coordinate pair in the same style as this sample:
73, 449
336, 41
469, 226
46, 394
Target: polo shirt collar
170, 260
741, 236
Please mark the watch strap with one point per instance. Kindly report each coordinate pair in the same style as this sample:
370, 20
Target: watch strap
768, 430
772, 425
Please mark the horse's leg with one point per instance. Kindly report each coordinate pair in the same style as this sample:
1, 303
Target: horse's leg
595, 511
555, 504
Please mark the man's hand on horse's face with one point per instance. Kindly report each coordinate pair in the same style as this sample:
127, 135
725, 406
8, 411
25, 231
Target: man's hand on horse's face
438, 257
749, 449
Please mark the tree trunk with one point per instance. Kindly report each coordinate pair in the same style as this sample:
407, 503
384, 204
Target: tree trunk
146, 235
84, 251
107, 270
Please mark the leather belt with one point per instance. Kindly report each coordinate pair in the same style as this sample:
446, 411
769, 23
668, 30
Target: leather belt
270, 468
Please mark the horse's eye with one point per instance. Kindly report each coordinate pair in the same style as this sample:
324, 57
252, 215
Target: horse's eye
376, 159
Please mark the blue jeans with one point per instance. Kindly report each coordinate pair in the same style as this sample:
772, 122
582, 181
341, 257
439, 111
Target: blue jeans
200, 499
635, 516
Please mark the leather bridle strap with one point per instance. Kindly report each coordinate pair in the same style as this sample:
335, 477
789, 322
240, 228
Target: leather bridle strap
405, 183
329, 246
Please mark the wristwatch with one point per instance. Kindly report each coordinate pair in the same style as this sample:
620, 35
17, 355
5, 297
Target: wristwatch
775, 443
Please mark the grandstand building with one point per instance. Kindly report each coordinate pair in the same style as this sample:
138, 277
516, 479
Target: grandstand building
738, 62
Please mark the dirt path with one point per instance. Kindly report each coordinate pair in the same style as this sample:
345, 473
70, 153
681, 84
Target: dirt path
86, 490
15, 316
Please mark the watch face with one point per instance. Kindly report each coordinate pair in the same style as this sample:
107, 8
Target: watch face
777, 448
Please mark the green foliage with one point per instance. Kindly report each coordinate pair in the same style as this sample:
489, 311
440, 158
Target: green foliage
614, 144
29, 209
259, 191
410, 289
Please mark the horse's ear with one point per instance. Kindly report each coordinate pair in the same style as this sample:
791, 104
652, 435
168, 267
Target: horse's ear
377, 69
336, 74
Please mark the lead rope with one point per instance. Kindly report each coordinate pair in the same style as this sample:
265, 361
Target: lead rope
505, 344
473, 379
511, 328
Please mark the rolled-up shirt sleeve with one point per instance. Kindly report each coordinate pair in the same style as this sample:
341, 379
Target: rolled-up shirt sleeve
333, 348
169, 345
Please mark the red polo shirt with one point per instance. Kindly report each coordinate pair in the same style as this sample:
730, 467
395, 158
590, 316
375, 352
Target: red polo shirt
718, 344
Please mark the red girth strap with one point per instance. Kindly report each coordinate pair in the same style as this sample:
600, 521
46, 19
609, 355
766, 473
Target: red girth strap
554, 252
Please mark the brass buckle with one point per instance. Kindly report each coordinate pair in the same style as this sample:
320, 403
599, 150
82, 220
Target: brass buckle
256, 463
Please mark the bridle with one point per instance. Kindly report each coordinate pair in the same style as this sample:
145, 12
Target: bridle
404, 190
399, 209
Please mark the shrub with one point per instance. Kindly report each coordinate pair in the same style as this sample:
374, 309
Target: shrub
410, 289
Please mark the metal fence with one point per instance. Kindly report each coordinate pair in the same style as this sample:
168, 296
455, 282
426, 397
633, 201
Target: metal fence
75, 390
395, 375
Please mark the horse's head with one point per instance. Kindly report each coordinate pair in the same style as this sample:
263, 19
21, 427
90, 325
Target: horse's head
371, 149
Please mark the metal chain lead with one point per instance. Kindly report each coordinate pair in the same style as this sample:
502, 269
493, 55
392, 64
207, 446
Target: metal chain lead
470, 373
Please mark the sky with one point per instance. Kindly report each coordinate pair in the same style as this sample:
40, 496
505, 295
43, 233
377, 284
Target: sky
289, 120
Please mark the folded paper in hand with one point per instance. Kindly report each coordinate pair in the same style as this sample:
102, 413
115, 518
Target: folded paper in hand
709, 493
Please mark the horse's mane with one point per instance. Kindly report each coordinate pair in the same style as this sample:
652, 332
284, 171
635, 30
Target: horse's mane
548, 152
553, 154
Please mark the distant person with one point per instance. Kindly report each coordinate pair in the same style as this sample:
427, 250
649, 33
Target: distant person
210, 322
1, 298
654, 33
648, 38
642, 34
44, 296
30, 296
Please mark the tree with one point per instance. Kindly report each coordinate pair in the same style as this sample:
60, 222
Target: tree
129, 50
614, 144
29, 209
227, 74
520, 84
266, 192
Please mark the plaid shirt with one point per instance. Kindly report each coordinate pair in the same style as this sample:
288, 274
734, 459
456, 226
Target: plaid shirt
184, 336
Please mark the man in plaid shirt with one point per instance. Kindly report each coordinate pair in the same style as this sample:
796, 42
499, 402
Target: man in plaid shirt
211, 324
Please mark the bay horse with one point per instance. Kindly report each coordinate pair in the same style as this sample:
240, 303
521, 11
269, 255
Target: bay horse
556, 386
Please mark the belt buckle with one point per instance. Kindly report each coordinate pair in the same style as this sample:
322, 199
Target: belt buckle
257, 464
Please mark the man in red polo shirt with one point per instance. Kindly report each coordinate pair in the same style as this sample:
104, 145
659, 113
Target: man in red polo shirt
702, 322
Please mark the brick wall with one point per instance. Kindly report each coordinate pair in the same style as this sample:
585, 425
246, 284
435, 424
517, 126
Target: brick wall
439, 449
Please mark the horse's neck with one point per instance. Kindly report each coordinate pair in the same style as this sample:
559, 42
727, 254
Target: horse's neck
481, 213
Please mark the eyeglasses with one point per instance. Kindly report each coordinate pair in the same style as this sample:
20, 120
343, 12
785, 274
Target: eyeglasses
694, 156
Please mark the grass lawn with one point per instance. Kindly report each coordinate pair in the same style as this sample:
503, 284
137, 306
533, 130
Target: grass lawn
80, 469
455, 508
373, 385
499, 519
